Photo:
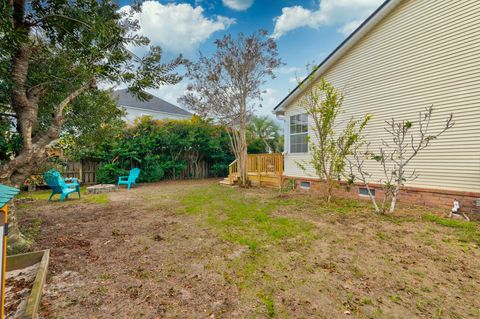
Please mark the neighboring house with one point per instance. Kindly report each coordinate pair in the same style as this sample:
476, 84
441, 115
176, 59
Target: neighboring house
155, 107
408, 55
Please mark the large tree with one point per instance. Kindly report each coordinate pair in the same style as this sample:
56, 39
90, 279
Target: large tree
227, 86
53, 52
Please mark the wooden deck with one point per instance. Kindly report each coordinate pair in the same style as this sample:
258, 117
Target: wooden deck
263, 170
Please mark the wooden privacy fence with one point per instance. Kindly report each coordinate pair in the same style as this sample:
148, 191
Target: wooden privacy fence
84, 170
198, 170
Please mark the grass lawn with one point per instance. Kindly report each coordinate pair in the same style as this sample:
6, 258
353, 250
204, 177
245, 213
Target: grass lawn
194, 249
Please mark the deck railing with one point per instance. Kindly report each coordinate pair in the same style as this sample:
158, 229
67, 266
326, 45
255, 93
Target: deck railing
269, 166
233, 171
266, 164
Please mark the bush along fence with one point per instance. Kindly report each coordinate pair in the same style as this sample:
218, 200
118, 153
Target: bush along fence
162, 149
108, 172
86, 172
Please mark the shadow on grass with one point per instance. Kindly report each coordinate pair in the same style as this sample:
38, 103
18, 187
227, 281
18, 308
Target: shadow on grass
43, 195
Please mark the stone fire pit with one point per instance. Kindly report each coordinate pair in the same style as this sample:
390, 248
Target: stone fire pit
101, 188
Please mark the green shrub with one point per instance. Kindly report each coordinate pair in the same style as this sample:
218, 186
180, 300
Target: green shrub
163, 149
108, 173
219, 169
151, 172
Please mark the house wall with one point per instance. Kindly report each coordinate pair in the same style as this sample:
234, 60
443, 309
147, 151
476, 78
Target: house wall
422, 53
133, 113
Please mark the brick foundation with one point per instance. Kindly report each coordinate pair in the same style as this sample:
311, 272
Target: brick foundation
411, 195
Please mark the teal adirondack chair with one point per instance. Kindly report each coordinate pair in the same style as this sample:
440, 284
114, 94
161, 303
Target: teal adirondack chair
61, 186
129, 180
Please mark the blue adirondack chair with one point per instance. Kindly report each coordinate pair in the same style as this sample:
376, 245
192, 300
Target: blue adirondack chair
61, 186
129, 180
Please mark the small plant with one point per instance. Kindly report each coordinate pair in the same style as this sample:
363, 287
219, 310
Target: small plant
33, 181
288, 185
269, 305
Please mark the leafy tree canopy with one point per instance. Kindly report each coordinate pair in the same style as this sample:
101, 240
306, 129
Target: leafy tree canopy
227, 85
52, 52
264, 135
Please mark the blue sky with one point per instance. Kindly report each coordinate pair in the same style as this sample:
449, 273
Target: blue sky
305, 31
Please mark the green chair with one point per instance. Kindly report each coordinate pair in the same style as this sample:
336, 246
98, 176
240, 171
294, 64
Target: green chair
61, 186
131, 179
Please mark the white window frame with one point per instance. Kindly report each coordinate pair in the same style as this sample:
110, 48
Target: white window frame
300, 133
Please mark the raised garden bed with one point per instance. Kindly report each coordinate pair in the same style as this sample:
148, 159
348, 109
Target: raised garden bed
26, 274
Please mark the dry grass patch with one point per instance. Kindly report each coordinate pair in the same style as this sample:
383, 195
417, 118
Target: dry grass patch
193, 249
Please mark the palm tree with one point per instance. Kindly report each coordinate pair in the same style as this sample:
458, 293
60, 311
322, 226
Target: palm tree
265, 129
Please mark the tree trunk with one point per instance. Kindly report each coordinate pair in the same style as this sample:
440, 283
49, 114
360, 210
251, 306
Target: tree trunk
243, 154
394, 200
329, 189
267, 146
21, 167
17, 242
242, 160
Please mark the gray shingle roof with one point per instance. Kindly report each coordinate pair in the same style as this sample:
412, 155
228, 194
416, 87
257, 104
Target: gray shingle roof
125, 98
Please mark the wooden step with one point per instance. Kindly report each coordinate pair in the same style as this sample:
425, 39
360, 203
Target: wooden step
225, 181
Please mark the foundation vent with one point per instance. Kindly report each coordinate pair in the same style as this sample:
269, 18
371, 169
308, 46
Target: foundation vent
305, 185
476, 202
363, 191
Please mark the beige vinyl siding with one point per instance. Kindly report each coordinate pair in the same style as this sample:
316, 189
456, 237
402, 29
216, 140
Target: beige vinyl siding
424, 52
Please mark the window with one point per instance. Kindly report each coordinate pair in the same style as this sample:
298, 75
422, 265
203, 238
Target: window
298, 133
305, 185
363, 191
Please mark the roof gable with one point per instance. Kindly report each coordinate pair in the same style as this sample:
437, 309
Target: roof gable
346, 45
125, 98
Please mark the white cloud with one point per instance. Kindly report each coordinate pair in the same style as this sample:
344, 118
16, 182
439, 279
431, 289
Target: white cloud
287, 70
270, 98
178, 28
239, 5
349, 27
347, 14
295, 80
171, 93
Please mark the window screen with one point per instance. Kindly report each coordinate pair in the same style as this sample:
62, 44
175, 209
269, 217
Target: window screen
299, 133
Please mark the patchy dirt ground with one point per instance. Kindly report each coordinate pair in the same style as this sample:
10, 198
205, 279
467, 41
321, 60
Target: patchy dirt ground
18, 285
193, 249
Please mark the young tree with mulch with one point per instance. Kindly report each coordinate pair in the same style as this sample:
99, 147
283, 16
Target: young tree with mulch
53, 52
227, 86
330, 146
